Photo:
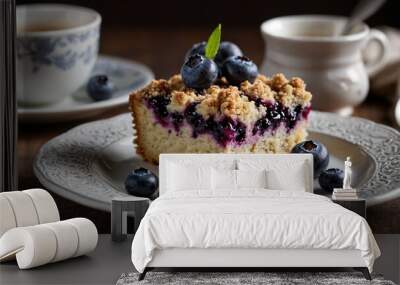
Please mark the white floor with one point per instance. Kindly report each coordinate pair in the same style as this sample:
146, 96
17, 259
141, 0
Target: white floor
389, 262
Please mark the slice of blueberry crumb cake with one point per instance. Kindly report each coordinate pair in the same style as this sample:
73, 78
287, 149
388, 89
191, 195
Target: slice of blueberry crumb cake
220, 107
267, 116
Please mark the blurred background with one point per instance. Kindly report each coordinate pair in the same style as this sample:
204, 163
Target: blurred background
251, 13
158, 34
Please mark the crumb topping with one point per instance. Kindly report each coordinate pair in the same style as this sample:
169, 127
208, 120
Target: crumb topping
259, 89
278, 81
209, 106
299, 90
231, 101
234, 105
180, 100
155, 88
176, 82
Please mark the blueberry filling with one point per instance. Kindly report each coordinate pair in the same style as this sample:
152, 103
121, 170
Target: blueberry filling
276, 114
292, 116
226, 130
159, 106
177, 120
258, 102
196, 120
223, 131
261, 126
306, 111
240, 132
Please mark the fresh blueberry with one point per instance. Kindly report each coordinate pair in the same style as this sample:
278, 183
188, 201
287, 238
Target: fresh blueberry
331, 178
226, 50
238, 69
199, 48
142, 183
199, 72
319, 152
100, 87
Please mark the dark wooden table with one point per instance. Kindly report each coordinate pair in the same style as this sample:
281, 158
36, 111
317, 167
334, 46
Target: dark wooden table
163, 49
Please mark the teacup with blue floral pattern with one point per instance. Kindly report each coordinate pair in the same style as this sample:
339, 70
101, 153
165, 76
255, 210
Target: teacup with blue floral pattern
56, 49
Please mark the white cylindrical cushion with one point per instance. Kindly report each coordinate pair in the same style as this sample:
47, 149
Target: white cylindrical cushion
87, 233
45, 205
37, 245
7, 218
23, 208
33, 246
67, 239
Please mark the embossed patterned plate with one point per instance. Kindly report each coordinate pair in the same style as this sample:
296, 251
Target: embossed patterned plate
89, 163
127, 76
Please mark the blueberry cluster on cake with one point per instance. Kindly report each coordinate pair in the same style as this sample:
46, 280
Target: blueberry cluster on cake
219, 103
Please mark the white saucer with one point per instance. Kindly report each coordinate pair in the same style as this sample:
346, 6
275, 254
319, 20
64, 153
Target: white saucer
127, 76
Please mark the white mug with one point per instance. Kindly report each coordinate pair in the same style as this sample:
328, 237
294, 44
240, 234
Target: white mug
56, 49
332, 66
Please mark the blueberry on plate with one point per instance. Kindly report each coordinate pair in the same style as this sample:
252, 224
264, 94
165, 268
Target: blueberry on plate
238, 69
142, 183
319, 152
331, 178
100, 87
199, 72
226, 50
199, 48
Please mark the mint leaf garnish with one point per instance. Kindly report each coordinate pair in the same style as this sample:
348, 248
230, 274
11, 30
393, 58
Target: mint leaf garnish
212, 46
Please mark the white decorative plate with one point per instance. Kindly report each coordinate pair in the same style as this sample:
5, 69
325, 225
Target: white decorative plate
89, 163
127, 76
